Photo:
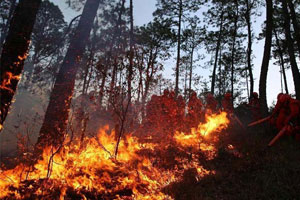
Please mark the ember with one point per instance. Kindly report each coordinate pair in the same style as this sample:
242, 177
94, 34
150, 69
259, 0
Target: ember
90, 170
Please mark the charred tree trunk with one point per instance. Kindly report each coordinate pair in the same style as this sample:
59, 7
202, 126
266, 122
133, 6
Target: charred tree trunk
213, 77
249, 50
56, 117
266, 59
14, 52
281, 60
295, 23
178, 49
290, 45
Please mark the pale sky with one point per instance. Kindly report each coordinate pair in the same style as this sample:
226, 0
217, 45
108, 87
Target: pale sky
143, 10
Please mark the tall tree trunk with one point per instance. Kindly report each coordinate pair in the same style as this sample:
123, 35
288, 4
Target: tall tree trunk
249, 50
112, 53
247, 85
116, 37
220, 81
233, 50
85, 77
56, 118
6, 27
185, 79
191, 66
130, 70
290, 45
14, 52
266, 59
113, 81
295, 23
178, 49
213, 77
104, 76
281, 60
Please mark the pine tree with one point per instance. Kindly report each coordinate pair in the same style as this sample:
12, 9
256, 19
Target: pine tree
177, 11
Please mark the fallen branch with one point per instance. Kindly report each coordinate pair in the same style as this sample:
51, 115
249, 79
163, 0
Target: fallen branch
259, 121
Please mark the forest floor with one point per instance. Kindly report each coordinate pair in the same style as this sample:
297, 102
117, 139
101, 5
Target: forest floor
248, 170
260, 172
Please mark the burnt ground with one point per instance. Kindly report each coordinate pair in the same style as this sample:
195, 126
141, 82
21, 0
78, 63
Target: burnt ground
255, 172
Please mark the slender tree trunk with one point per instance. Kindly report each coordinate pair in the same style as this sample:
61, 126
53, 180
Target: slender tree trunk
88, 63
88, 81
266, 59
6, 27
290, 45
56, 117
85, 77
113, 80
247, 84
112, 52
221, 75
104, 75
213, 77
191, 66
249, 50
178, 48
295, 23
281, 60
233, 51
148, 80
130, 70
14, 52
116, 37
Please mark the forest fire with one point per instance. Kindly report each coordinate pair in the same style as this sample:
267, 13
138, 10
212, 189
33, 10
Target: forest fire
90, 169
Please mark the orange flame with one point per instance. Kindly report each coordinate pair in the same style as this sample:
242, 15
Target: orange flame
91, 165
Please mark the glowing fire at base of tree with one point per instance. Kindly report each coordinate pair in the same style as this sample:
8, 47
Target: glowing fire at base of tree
89, 170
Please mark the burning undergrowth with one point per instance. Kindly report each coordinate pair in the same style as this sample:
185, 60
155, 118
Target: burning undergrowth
90, 170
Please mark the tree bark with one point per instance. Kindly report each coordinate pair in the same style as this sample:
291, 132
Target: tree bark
14, 52
281, 60
249, 50
266, 59
233, 51
213, 77
191, 65
295, 23
116, 36
290, 45
178, 49
130, 70
55, 122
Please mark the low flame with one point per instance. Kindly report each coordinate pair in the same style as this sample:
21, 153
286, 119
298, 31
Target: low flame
215, 123
91, 167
